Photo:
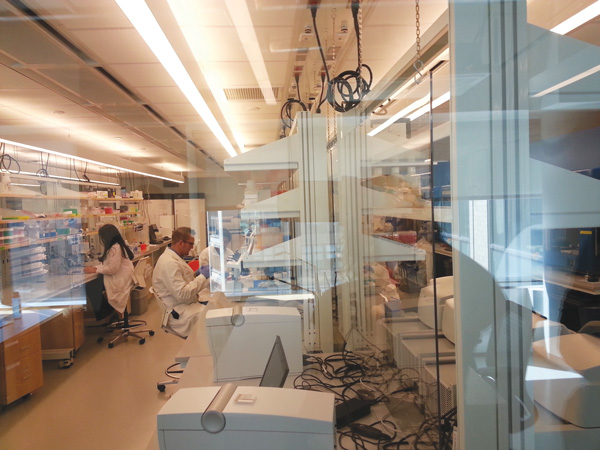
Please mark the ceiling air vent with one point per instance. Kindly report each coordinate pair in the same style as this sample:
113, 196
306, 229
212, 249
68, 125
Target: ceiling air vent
247, 94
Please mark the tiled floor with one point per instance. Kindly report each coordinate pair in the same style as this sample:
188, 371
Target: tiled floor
106, 400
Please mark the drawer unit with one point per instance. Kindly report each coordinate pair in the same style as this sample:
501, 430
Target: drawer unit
23, 377
65, 331
22, 345
78, 328
21, 370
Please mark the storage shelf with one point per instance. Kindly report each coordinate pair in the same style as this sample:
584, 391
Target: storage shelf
66, 197
38, 219
116, 199
112, 215
28, 243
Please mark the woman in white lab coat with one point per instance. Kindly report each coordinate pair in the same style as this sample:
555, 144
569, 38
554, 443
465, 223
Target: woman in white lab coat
116, 266
210, 256
177, 286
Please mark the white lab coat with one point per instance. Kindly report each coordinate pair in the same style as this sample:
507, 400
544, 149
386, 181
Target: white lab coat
118, 277
178, 288
210, 257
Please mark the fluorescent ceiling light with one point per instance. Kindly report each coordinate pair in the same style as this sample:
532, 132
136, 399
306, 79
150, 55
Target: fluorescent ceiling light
409, 84
290, 49
146, 25
410, 108
571, 80
25, 184
240, 15
78, 158
583, 16
57, 177
185, 14
437, 102
444, 56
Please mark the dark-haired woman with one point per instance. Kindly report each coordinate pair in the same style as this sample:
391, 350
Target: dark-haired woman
116, 266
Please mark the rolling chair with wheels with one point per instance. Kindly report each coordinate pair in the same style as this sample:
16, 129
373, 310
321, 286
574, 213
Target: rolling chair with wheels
126, 328
123, 327
174, 370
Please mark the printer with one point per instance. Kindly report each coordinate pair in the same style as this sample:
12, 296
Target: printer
241, 338
253, 418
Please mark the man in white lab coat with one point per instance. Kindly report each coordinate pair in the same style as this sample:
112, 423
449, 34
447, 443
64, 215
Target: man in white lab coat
176, 284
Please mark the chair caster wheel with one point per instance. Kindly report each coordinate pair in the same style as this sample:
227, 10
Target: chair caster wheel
151, 333
111, 345
100, 339
65, 364
142, 341
161, 387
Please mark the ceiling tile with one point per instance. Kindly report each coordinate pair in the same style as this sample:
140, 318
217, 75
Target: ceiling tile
116, 46
162, 94
142, 75
239, 74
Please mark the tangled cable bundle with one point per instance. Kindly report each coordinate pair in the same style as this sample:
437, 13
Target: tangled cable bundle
345, 91
350, 87
287, 116
7, 161
373, 377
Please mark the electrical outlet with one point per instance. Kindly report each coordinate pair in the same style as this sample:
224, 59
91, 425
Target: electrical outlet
306, 37
340, 38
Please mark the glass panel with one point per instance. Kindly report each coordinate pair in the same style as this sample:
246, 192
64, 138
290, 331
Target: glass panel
436, 240
251, 256
564, 103
524, 115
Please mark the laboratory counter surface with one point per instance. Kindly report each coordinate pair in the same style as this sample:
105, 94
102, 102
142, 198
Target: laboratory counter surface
47, 293
44, 292
551, 433
50, 328
29, 319
199, 373
571, 281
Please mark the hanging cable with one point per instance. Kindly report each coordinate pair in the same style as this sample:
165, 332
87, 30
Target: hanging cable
297, 78
313, 11
43, 171
6, 161
287, 110
84, 176
322, 98
350, 87
75, 170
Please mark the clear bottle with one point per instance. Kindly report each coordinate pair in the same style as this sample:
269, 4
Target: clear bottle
16, 305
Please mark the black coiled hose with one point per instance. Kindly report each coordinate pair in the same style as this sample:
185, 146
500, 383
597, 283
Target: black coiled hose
350, 88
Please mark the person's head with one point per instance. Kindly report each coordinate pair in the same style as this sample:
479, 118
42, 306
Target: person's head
109, 235
182, 241
226, 238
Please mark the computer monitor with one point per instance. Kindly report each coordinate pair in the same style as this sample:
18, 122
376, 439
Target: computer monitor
276, 370
152, 234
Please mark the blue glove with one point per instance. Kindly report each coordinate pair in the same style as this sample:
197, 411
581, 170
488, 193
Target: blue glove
204, 271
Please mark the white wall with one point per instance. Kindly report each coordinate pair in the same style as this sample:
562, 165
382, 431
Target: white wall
219, 192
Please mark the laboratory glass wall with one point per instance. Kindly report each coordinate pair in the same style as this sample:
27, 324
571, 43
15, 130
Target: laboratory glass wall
434, 250
524, 102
